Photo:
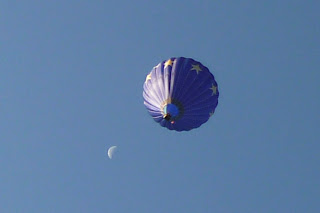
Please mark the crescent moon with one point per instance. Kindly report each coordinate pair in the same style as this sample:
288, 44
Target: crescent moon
111, 151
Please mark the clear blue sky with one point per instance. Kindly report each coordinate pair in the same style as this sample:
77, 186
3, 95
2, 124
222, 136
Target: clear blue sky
71, 77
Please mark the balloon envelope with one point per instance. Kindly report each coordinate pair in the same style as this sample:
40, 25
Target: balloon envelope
180, 94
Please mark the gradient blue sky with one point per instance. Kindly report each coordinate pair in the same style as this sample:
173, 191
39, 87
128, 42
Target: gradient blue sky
71, 77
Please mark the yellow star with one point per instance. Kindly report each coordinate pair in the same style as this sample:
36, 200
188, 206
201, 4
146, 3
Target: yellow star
148, 78
168, 63
214, 89
211, 113
196, 68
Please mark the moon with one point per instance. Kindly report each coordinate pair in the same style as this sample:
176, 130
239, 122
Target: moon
111, 151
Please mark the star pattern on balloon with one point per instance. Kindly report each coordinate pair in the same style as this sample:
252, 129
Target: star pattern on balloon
211, 113
168, 63
214, 90
196, 67
148, 78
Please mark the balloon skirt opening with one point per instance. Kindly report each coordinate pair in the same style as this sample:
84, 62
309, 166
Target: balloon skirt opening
170, 111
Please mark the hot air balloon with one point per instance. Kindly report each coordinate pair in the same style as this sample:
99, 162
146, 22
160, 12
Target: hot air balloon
180, 94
